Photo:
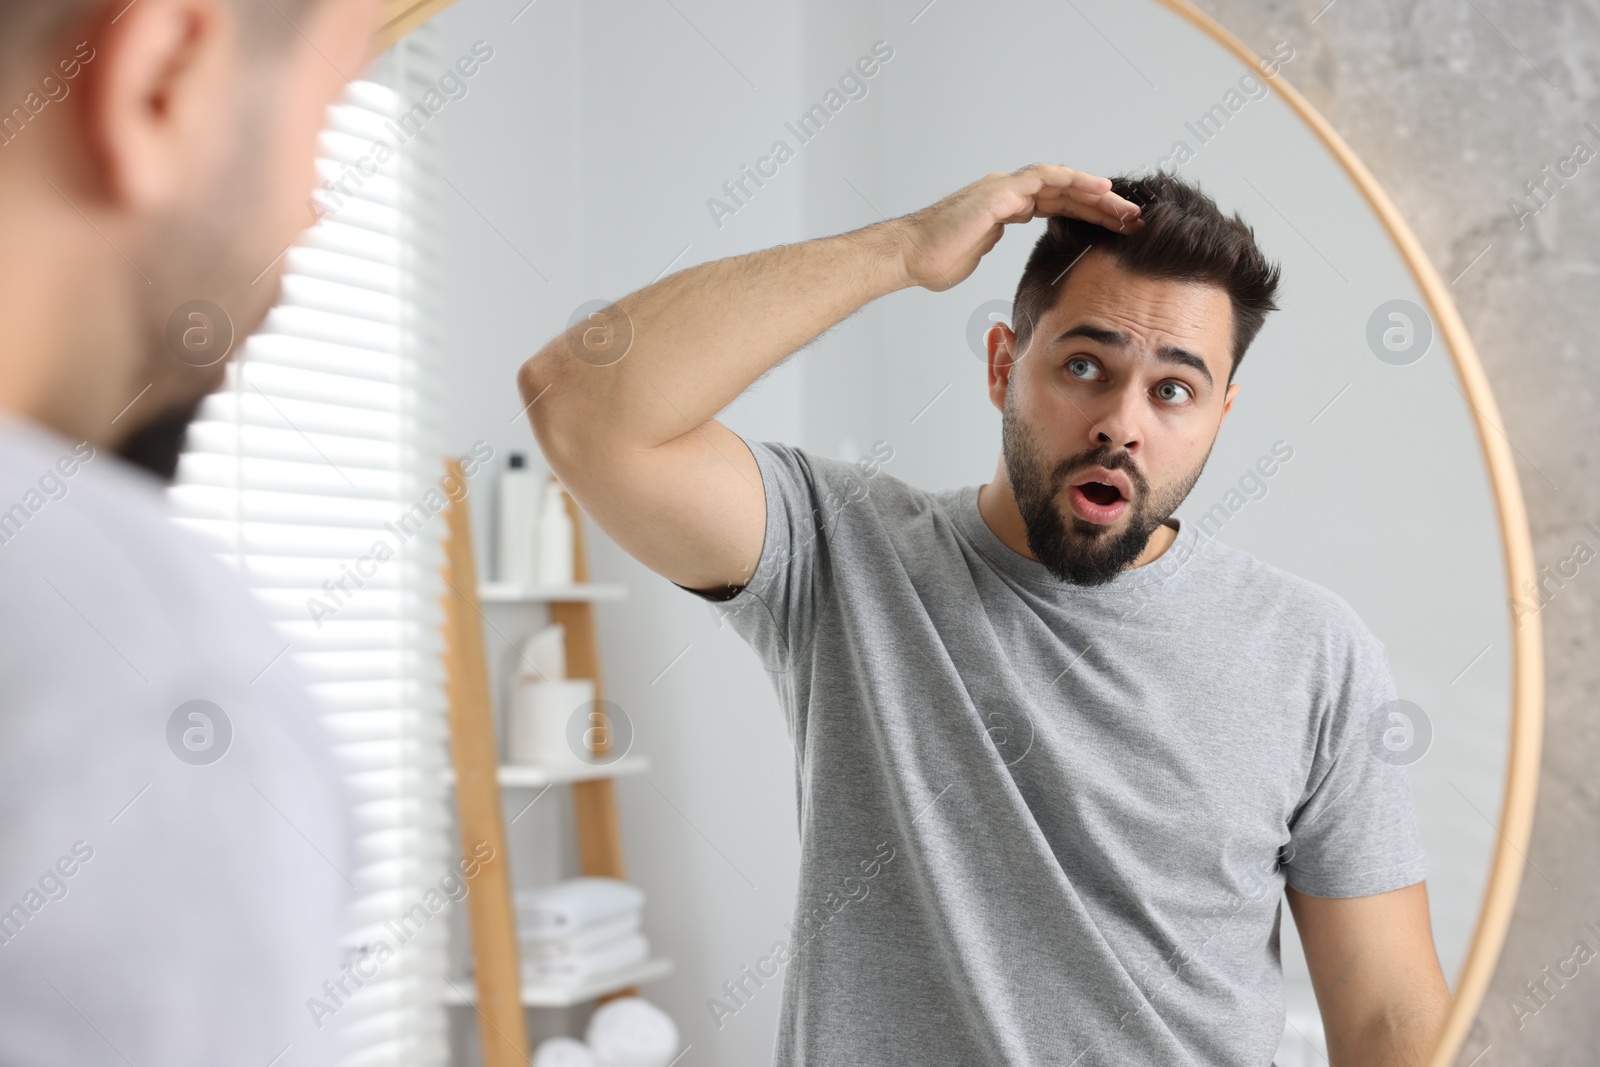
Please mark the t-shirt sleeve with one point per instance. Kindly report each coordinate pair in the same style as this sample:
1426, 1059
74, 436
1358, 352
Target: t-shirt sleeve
776, 610
1355, 831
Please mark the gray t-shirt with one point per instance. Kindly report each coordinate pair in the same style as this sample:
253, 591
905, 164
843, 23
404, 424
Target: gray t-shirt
1049, 824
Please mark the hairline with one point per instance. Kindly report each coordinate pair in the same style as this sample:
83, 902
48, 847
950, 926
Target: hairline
1060, 288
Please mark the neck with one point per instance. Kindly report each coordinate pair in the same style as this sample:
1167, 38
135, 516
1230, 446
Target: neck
998, 506
69, 357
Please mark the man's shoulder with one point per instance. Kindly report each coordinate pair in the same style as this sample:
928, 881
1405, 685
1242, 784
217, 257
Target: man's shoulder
1261, 587
85, 533
836, 481
116, 616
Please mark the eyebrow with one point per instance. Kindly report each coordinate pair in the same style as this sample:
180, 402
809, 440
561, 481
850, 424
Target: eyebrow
1118, 339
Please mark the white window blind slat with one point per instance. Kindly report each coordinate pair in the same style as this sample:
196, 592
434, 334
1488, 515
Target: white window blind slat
345, 269
268, 474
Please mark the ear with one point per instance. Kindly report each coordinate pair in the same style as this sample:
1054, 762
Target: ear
1227, 402
159, 109
1001, 345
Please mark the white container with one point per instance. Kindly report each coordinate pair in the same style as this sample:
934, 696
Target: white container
544, 655
517, 529
536, 731
555, 563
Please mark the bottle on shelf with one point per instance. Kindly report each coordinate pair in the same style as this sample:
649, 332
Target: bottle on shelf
556, 536
518, 527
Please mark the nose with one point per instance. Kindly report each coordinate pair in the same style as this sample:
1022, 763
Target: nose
1117, 422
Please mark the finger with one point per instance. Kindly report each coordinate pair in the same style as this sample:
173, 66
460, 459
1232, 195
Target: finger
1054, 174
1090, 210
1120, 205
1049, 181
1124, 223
1064, 191
1104, 201
1104, 206
1108, 202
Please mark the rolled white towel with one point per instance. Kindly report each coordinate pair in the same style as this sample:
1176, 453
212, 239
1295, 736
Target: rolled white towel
577, 967
580, 940
632, 1032
563, 1052
566, 906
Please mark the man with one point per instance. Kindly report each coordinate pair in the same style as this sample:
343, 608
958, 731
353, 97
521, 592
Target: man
1057, 755
173, 847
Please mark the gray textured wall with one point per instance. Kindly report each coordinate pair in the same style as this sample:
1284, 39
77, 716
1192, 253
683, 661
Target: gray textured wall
1454, 105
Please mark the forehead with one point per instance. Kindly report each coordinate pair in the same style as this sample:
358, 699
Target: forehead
1153, 311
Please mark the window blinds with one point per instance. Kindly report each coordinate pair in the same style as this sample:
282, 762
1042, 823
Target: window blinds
320, 439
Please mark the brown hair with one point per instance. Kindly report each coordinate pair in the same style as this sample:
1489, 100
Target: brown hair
1185, 237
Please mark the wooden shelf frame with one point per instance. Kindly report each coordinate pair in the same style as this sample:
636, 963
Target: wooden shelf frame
499, 996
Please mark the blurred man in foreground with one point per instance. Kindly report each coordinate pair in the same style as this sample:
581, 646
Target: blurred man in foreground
174, 857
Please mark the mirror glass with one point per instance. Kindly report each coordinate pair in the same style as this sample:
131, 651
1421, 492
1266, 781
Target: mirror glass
636, 121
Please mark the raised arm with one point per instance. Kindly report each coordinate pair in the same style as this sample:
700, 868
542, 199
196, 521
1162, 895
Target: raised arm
623, 405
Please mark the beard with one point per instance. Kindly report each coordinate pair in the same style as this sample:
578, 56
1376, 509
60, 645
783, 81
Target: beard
1073, 549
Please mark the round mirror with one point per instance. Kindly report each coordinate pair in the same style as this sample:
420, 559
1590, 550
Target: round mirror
1361, 452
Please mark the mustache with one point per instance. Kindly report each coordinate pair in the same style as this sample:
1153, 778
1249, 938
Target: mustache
1119, 460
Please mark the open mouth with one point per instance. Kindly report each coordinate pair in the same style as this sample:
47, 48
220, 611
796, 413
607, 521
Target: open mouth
1100, 500
1100, 493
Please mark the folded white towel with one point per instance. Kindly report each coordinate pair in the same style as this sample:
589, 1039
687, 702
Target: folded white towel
580, 940
632, 1032
563, 1052
574, 967
564, 907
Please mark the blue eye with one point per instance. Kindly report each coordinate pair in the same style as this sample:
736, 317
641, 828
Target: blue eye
1078, 360
1174, 385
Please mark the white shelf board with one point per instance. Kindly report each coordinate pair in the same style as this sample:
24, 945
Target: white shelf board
464, 990
506, 593
535, 776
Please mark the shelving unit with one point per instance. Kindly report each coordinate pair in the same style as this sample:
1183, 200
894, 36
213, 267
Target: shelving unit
478, 777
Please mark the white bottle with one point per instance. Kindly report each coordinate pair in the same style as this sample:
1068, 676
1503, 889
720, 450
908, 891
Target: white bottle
555, 537
518, 527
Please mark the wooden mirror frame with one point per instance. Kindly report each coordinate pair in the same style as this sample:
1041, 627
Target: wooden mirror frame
400, 17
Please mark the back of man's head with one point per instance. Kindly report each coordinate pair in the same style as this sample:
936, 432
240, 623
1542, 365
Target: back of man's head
29, 27
156, 156
1185, 237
